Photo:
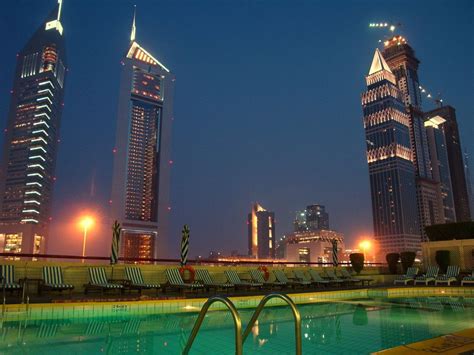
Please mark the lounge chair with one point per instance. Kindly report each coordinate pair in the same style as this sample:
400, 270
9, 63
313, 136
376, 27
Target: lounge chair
430, 275
98, 281
135, 278
468, 279
345, 275
301, 276
317, 279
281, 277
8, 278
205, 277
257, 276
176, 281
53, 280
408, 277
333, 277
451, 275
234, 279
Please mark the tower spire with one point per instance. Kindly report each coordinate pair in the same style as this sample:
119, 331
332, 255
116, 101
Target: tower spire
134, 29
60, 2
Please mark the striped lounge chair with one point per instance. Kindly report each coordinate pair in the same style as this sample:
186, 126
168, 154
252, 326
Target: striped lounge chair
257, 276
345, 275
333, 277
301, 276
451, 275
53, 279
135, 280
281, 277
235, 279
175, 281
98, 281
317, 279
205, 277
468, 279
8, 278
431, 275
408, 277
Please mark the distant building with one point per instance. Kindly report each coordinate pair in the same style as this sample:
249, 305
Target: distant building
261, 233
31, 139
140, 187
470, 191
455, 159
440, 165
403, 63
313, 218
313, 246
390, 159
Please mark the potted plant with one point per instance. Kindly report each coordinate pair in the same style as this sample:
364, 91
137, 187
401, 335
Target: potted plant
442, 259
407, 258
392, 261
357, 261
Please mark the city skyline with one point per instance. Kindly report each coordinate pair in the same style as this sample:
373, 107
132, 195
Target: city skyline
210, 173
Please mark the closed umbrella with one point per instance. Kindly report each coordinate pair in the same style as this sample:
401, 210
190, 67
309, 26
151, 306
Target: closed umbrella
335, 261
184, 245
116, 229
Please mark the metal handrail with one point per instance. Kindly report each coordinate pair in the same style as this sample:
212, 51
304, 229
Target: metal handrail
235, 315
296, 315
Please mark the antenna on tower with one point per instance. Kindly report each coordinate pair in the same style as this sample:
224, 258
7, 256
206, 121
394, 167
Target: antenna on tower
134, 28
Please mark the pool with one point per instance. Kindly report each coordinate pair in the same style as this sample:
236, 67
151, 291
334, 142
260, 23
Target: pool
340, 327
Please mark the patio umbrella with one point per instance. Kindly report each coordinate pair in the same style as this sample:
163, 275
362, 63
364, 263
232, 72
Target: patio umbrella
335, 262
116, 229
184, 245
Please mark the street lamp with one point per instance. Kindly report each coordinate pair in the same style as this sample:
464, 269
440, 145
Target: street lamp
365, 245
86, 223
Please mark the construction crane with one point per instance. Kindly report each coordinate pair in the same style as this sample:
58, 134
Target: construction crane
438, 101
390, 26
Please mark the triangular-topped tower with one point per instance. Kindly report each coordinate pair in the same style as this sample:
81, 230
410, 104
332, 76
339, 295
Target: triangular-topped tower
378, 63
142, 162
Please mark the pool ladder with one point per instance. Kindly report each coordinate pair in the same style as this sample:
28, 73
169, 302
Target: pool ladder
239, 337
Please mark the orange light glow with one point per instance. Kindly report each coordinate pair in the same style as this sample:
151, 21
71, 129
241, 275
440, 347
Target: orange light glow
365, 245
86, 222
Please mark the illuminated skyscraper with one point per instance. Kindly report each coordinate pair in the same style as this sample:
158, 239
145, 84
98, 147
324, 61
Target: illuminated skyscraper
390, 160
31, 140
455, 159
140, 189
261, 233
401, 59
313, 218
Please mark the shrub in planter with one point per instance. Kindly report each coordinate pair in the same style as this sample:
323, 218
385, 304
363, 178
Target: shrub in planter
392, 261
407, 258
357, 261
442, 259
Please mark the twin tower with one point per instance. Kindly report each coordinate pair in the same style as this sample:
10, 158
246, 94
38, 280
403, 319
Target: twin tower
140, 187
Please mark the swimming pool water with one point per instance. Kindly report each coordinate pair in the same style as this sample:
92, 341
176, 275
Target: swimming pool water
343, 327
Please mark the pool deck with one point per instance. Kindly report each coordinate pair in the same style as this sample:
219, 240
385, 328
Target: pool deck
461, 343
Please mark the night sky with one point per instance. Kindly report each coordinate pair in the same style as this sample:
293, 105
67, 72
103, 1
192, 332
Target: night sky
267, 104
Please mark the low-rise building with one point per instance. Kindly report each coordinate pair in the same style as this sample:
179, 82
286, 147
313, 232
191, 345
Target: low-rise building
313, 246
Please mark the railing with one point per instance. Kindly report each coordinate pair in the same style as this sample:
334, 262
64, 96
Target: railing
174, 261
239, 337
296, 315
200, 319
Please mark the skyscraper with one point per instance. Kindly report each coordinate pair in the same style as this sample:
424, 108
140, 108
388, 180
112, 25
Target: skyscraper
140, 188
455, 159
390, 160
440, 165
470, 191
401, 59
313, 218
261, 233
31, 140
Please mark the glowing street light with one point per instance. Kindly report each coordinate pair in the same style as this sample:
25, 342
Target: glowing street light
86, 223
365, 245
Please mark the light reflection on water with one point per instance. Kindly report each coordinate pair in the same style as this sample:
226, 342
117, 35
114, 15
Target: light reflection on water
360, 326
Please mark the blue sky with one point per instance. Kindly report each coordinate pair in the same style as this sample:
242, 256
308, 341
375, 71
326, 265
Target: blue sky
267, 103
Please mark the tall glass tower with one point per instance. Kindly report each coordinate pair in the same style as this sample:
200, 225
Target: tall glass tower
31, 140
390, 160
140, 188
401, 59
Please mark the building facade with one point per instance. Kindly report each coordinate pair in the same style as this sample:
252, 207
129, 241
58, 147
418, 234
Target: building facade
313, 246
31, 139
140, 188
261, 233
455, 159
401, 59
440, 165
390, 160
313, 218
